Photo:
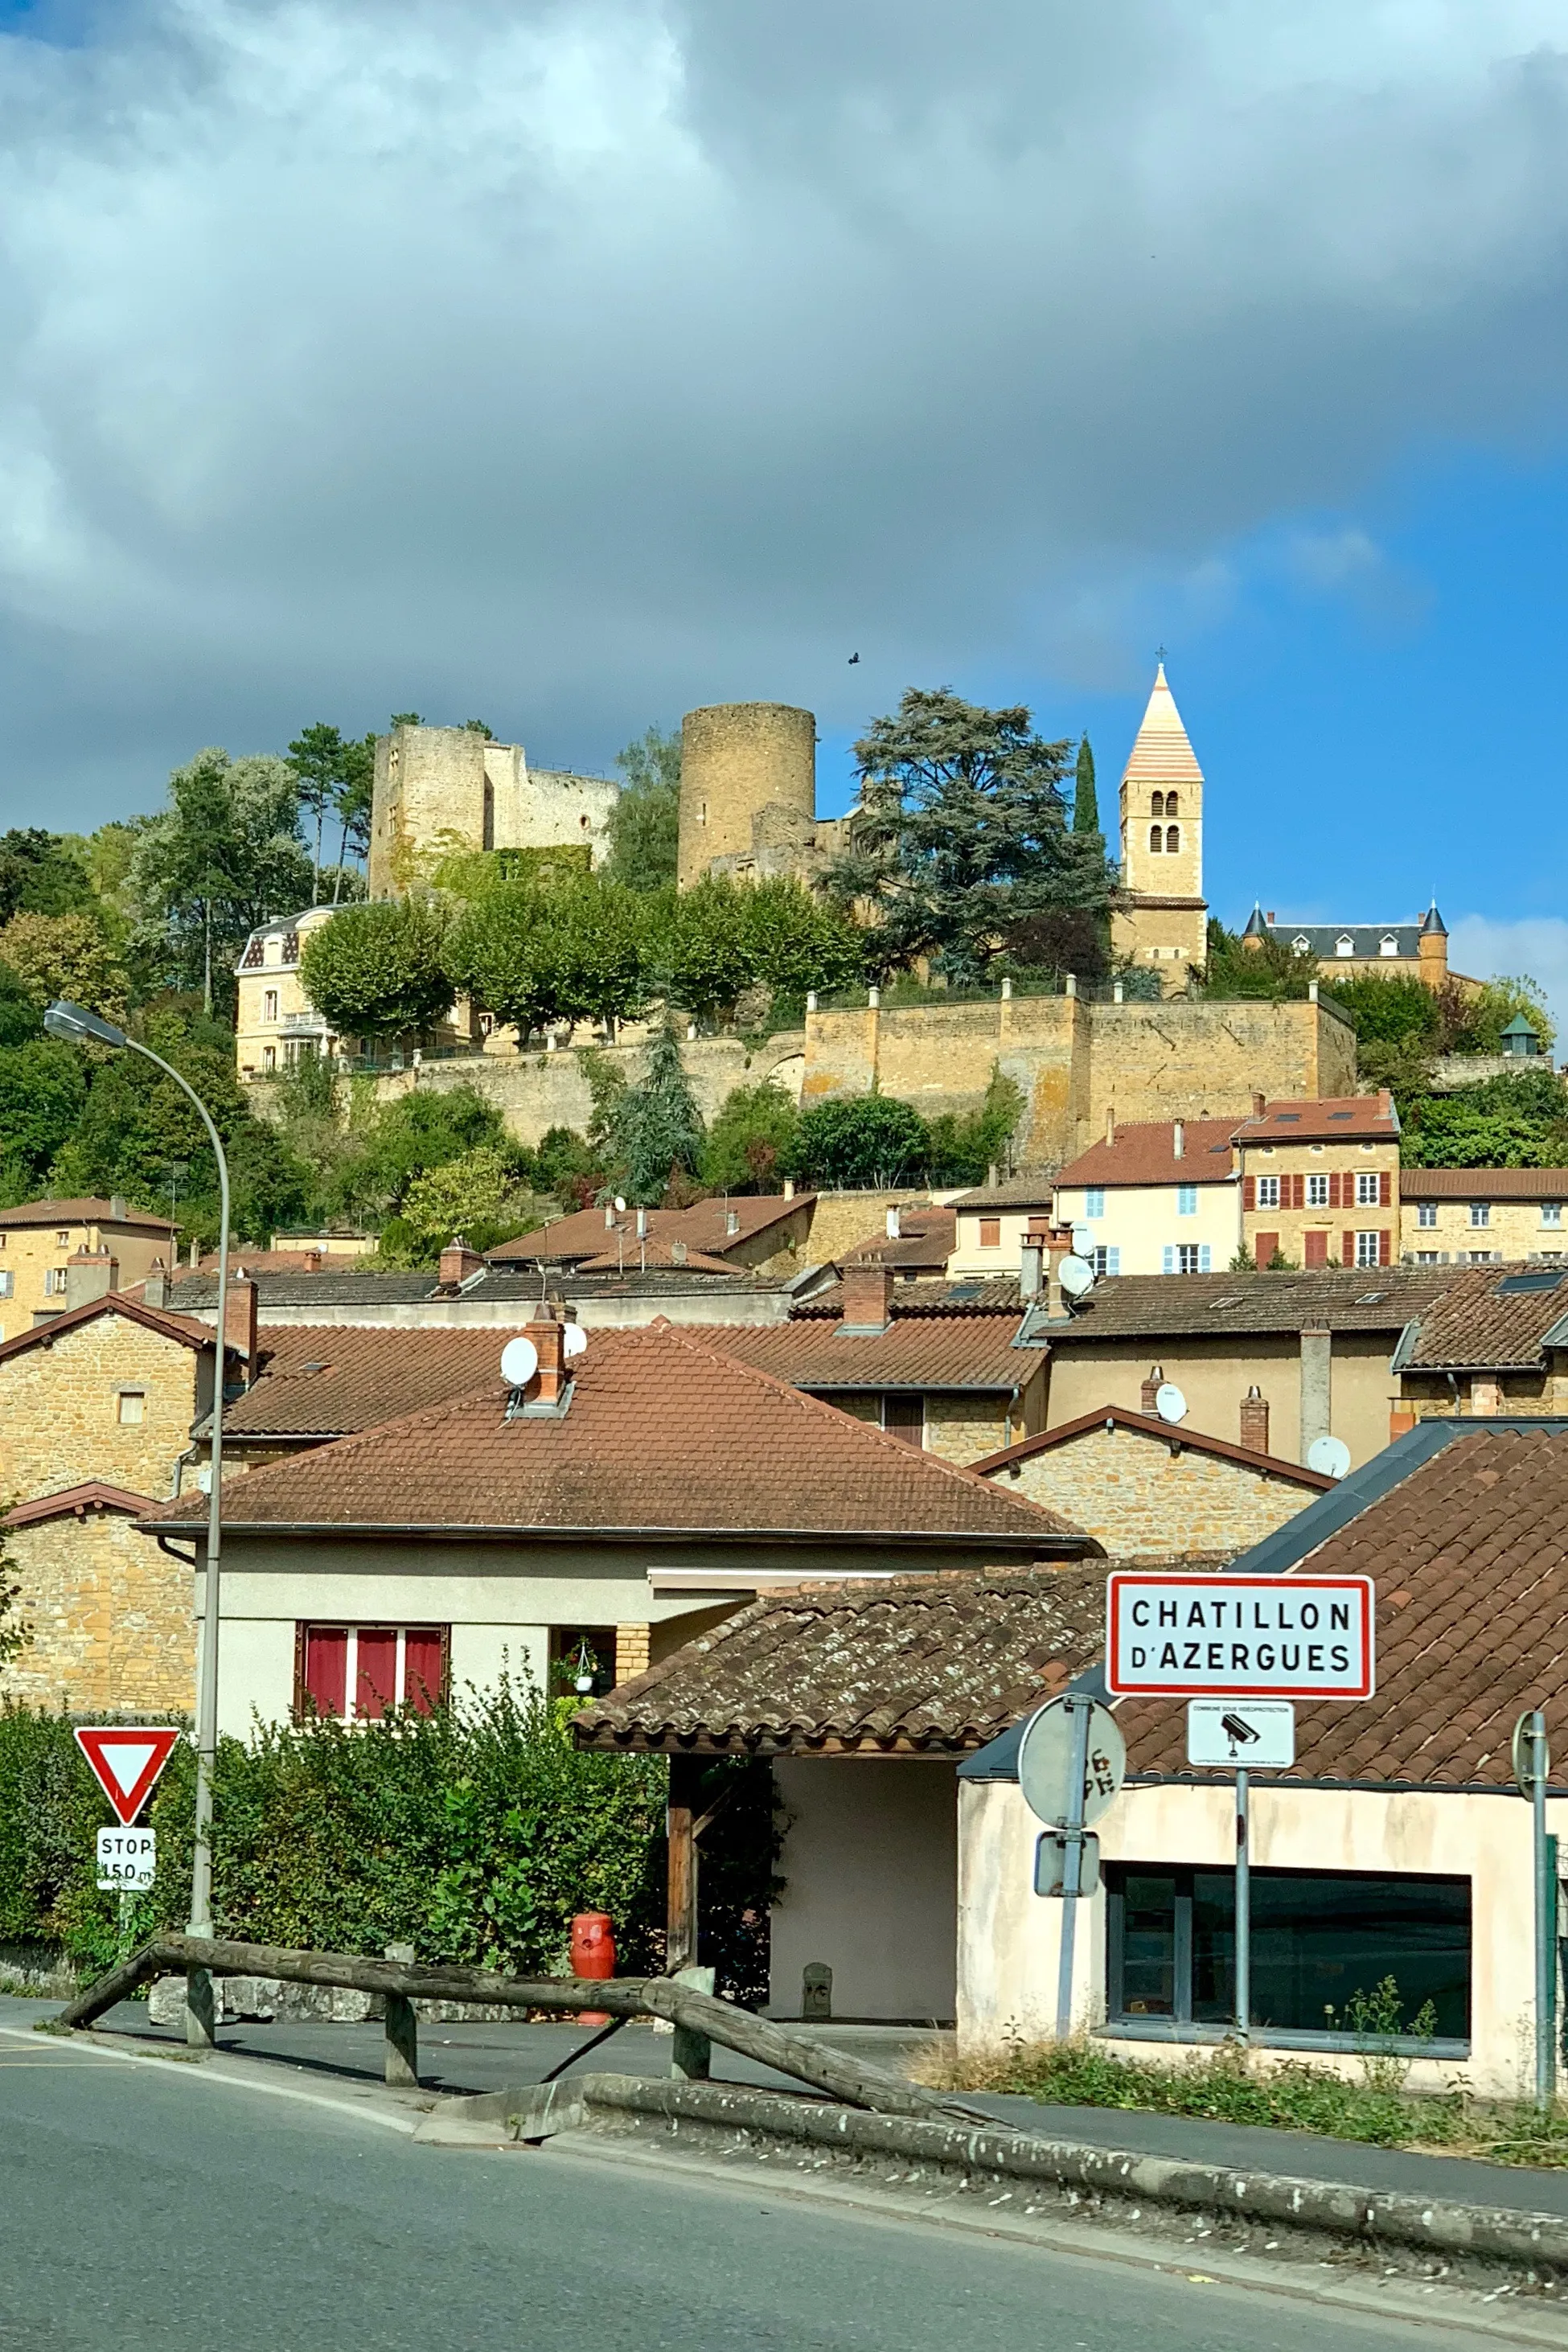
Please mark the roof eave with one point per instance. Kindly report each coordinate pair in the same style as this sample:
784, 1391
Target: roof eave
1036, 1543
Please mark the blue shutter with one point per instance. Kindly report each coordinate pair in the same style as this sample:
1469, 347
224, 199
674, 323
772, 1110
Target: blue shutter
1204, 1266
1114, 1261
1169, 1265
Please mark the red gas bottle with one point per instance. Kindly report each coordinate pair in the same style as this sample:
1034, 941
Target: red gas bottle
593, 1955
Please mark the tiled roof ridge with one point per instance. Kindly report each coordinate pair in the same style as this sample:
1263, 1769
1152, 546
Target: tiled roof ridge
89, 1493
187, 1328
82, 1208
1143, 1424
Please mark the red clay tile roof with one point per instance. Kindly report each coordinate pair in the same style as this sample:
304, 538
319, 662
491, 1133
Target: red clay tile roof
1471, 1555
1480, 1323
584, 1234
1483, 1183
73, 1502
1031, 1188
925, 1241
189, 1330
327, 1380
1337, 1118
1164, 1431
1145, 1154
705, 1226
917, 1351
663, 1434
940, 1663
83, 1211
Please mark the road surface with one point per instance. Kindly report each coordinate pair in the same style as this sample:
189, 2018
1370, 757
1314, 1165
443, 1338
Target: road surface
147, 2210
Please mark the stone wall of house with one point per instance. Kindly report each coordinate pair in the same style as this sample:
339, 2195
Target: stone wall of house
1149, 1497
60, 1410
111, 1617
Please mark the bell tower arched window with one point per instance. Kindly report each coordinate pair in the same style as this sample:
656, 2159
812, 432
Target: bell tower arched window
1172, 839
1156, 840
1157, 804
1171, 798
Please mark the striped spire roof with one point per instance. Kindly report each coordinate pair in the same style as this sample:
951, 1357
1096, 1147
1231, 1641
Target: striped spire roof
1161, 754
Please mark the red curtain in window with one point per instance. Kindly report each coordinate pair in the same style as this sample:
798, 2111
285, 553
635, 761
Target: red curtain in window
326, 1672
424, 1667
376, 1684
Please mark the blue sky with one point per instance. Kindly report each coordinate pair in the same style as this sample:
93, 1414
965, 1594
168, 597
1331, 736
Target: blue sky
569, 362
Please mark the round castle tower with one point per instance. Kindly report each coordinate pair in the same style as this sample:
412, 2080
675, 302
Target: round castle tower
737, 760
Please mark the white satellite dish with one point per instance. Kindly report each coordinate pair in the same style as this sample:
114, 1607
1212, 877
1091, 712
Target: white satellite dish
574, 1342
1169, 1402
620, 1206
519, 1363
1076, 1277
1083, 1239
1330, 1456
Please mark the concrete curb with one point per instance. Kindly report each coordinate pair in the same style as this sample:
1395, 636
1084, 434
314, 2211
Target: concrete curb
1074, 2170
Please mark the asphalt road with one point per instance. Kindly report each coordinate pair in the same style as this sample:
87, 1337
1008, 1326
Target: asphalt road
149, 2210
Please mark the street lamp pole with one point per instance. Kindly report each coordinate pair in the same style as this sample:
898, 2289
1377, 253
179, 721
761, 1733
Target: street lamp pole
74, 1022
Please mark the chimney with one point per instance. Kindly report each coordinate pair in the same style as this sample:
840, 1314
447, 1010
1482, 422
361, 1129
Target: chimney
1258, 1103
117, 1210
993, 1176
458, 1264
1110, 1122
240, 1318
789, 1188
731, 1223
1178, 1139
156, 1290
1032, 1261
1255, 1420
867, 1288
313, 1260
642, 1224
89, 1274
894, 1234
678, 1253
549, 1339
609, 1217
1151, 1389
196, 1251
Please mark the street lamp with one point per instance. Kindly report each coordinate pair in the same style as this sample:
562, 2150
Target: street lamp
78, 1026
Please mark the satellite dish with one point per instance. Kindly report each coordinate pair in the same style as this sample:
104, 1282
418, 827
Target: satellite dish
1076, 1277
574, 1342
1083, 1239
519, 1363
1169, 1402
620, 1204
1330, 1456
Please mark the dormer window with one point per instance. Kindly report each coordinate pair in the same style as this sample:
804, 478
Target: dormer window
1344, 945
1388, 944
1300, 945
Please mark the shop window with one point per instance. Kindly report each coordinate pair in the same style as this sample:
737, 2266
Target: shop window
1319, 1939
378, 1667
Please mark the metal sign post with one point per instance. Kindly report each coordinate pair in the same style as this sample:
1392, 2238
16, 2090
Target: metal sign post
1080, 1708
1071, 1763
1243, 1912
1532, 1765
1244, 1733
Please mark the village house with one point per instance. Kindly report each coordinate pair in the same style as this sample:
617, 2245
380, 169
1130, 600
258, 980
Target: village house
750, 1232
991, 1223
622, 1500
1480, 1216
40, 1239
1163, 1197
1416, 950
1493, 1340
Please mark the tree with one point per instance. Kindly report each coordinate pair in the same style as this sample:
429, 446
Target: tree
512, 952
962, 831
1518, 1121
1391, 1008
41, 874
377, 969
750, 1139
21, 1016
706, 952
222, 858
65, 955
476, 1196
355, 801
794, 943
43, 1092
407, 1138
655, 1130
15, 1631
1481, 1020
867, 1140
645, 823
1270, 970
965, 1144
1085, 799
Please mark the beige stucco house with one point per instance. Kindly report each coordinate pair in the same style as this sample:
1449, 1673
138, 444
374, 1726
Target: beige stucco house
110, 1245
1477, 1216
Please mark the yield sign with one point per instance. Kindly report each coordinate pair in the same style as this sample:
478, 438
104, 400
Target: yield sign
126, 1761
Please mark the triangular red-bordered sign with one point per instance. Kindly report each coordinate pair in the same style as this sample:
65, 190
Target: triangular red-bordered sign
126, 1760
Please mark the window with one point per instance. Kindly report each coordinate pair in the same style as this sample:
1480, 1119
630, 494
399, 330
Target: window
1172, 839
1186, 1200
54, 1282
133, 1405
1156, 839
1317, 1191
1171, 801
269, 1005
1483, 1257
1426, 1258
1315, 1248
904, 1417
1369, 1249
1344, 945
269, 1058
1551, 1214
1094, 1201
7, 1283
1426, 1215
1388, 944
1268, 1191
1367, 1192
1319, 1938
63, 1240
382, 1666
1157, 804
1104, 1262
1301, 944
1186, 1258
990, 1232
1480, 1213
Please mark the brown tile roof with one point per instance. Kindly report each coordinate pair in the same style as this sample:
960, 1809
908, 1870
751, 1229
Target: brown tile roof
563, 1240
1470, 1556
966, 1294
704, 1226
663, 1435
1150, 1306
1489, 1318
656, 1252
188, 1330
917, 1351
1145, 1154
935, 1663
1337, 1118
1031, 1188
253, 1262
1165, 1432
1483, 1183
75, 1502
326, 1379
925, 1243
84, 1211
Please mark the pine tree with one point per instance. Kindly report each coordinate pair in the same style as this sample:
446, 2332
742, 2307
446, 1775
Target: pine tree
1085, 802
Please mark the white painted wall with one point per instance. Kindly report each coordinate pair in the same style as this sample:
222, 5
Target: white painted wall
1007, 1936
1141, 1221
870, 1860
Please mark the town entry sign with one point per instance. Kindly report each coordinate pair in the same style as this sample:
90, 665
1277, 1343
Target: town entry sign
1291, 1637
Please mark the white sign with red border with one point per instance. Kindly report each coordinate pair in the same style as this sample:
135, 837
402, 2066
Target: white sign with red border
1238, 1636
126, 1760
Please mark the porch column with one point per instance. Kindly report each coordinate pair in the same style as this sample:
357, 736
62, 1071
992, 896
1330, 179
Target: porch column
680, 1914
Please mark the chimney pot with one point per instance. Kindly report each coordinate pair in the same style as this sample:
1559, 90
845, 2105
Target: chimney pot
1153, 1382
239, 1321
731, 1220
893, 1233
642, 1224
1255, 1420
609, 1217
89, 1274
1178, 1139
678, 1253
117, 1208
867, 1288
789, 1188
1110, 1122
549, 1344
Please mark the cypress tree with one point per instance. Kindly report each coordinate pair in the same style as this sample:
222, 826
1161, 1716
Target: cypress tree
1085, 804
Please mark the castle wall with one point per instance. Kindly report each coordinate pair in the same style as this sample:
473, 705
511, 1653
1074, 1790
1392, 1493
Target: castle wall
442, 788
738, 760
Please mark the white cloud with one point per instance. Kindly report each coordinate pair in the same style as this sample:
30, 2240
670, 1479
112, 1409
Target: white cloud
564, 361
1536, 948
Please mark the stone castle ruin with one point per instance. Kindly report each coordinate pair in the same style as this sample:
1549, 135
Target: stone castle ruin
441, 790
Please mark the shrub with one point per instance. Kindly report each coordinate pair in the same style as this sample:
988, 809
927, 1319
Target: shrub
869, 1140
750, 1139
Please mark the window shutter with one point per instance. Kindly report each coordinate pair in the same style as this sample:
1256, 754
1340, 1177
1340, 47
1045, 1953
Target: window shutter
425, 1666
1298, 1191
1347, 1255
1385, 1192
1383, 1243
1169, 1256
1249, 1192
326, 1668
375, 1677
1334, 1189
1204, 1266
1114, 1261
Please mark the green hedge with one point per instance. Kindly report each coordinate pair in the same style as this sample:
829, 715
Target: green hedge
474, 1834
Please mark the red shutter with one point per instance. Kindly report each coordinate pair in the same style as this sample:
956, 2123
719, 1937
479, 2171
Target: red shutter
1348, 1254
1315, 1251
1334, 1189
1298, 1191
1383, 1240
376, 1684
424, 1667
1386, 1193
326, 1674
1263, 1249
1249, 1192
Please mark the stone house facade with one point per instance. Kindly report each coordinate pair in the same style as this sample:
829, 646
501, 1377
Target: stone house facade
45, 1246
1478, 1216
